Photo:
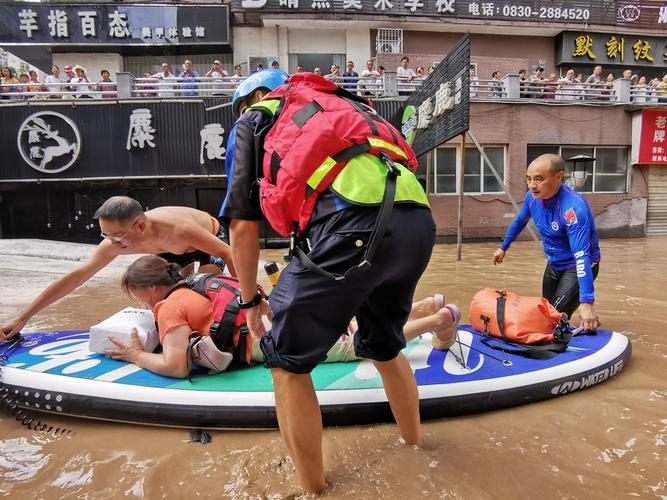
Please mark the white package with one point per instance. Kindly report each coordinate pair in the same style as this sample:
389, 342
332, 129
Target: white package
120, 325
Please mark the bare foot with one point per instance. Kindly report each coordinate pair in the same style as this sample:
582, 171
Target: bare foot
444, 333
428, 306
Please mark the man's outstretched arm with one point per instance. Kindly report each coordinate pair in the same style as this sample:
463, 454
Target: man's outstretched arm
64, 285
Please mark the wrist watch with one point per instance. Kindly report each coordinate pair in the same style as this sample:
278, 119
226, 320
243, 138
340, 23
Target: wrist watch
256, 300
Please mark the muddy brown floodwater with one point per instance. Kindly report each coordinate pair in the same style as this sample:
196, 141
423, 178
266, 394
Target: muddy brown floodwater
609, 441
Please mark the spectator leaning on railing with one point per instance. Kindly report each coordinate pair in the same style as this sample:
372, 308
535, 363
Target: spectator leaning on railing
567, 90
24, 79
54, 78
8, 83
550, 87
641, 90
81, 84
69, 76
523, 83
474, 83
166, 83
106, 86
334, 76
495, 85
238, 72
217, 74
350, 77
662, 89
368, 83
36, 86
188, 76
536, 81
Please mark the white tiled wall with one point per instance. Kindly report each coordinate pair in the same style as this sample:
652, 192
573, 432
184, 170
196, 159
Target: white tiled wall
93, 63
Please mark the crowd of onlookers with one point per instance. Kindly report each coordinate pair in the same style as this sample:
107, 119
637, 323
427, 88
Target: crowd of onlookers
571, 86
75, 83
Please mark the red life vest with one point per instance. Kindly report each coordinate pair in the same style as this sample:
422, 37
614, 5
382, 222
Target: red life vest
228, 331
318, 128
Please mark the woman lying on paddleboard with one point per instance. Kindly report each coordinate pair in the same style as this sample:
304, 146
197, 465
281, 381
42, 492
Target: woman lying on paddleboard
186, 315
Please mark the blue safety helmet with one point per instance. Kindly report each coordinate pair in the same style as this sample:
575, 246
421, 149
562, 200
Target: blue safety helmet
269, 79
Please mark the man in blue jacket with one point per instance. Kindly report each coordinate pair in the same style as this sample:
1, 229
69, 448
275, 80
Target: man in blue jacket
567, 226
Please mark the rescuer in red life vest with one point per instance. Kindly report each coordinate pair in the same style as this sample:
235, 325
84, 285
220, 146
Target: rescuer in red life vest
362, 257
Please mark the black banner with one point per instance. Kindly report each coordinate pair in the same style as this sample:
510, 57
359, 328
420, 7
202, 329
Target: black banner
143, 139
627, 13
113, 24
440, 107
113, 140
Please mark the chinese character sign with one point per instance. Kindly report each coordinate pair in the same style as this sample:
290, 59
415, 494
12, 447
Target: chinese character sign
653, 137
611, 49
113, 24
580, 12
212, 140
439, 108
141, 130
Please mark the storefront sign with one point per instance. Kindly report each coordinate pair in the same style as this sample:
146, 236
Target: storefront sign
49, 142
113, 140
653, 138
86, 140
609, 12
608, 49
440, 107
113, 24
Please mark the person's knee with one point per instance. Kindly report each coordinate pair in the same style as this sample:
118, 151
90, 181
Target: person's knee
389, 365
282, 376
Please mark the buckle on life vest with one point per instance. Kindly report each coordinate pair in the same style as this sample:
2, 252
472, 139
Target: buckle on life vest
393, 169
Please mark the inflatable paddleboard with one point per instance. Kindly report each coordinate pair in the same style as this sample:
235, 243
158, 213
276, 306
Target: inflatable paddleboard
56, 373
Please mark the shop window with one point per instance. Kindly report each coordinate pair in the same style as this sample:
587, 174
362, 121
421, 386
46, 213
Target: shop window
607, 174
477, 176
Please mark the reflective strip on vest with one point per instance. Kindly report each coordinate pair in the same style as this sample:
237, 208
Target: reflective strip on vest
379, 143
319, 174
269, 105
363, 181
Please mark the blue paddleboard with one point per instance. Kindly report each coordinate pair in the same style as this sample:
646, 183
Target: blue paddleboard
55, 372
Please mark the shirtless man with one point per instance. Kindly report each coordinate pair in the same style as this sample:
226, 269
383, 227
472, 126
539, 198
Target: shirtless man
127, 229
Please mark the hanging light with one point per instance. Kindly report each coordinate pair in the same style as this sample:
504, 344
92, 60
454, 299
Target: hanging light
579, 172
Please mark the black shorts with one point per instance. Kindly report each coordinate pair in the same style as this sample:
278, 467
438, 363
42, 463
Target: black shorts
311, 311
186, 259
561, 288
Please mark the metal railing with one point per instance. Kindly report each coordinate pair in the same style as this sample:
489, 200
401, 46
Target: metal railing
388, 85
155, 86
57, 90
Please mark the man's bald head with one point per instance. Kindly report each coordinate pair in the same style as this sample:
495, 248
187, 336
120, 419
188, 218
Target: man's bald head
554, 162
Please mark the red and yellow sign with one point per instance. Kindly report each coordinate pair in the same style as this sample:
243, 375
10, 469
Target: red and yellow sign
653, 138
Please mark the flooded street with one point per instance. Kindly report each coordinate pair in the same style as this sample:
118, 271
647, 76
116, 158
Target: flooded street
609, 441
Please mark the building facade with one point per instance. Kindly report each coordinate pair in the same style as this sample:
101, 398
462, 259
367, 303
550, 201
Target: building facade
627, 191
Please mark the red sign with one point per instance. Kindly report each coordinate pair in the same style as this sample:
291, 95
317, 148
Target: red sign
653, 139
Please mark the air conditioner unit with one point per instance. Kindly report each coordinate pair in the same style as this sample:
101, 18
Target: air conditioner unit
390, 47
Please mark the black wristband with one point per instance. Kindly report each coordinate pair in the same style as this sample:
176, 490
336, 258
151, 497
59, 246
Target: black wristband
257, 299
